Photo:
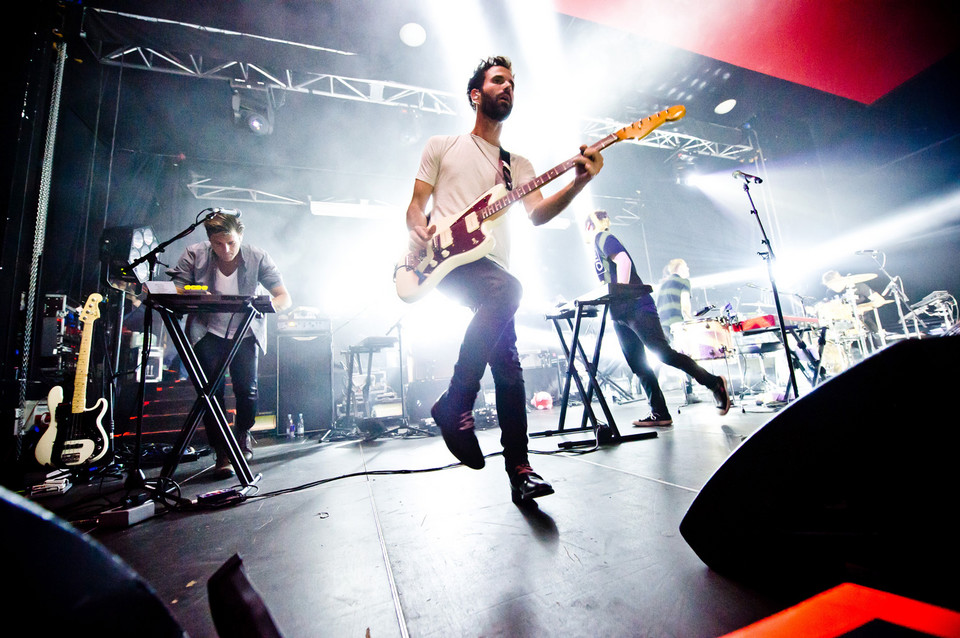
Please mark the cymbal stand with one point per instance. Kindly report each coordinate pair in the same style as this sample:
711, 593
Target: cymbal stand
770, 258
895, 286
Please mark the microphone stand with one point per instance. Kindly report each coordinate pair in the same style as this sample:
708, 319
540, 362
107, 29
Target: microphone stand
769, 257
403, 401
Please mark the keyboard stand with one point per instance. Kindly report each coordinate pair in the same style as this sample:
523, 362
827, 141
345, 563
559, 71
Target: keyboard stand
206, 401
606, 433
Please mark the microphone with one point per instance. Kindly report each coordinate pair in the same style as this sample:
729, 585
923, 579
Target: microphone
747, 177
866, 252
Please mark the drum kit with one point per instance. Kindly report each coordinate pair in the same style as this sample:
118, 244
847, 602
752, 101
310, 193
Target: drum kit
848, 333
847, 337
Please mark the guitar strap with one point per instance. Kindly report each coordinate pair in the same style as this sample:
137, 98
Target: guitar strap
505, 168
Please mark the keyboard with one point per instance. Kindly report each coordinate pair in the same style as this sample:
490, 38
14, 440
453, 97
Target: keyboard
200, 303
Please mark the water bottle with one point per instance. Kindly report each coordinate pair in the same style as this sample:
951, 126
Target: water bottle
291, 428
300, 425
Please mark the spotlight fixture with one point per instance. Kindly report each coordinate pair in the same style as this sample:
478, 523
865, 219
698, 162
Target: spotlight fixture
253, 109
725, 107
412, 34
121, 246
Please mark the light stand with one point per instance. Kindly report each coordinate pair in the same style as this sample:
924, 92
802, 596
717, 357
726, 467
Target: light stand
769, 257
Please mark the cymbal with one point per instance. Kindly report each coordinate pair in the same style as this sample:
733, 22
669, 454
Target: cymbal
852, 280
870, 305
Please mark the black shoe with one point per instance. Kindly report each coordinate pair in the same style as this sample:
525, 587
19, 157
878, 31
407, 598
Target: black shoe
525, 484
654, 420
458, 431
722, 396
224, 468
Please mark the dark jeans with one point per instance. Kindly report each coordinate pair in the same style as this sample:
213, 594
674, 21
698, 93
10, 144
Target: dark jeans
491, 338
638, 327
211, 351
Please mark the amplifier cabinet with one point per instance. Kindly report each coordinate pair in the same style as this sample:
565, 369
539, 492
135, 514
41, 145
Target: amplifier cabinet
305, 380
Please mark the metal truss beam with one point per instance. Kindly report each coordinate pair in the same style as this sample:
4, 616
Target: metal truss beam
203, 189
675, 141
253, 76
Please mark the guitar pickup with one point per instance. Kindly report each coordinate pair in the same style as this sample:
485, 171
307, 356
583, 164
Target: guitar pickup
471, 222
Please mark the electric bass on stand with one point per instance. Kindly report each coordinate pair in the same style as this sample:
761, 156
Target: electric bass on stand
466, 238
75, 435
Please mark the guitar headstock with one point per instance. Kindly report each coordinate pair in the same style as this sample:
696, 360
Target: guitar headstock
91, 309
641, 128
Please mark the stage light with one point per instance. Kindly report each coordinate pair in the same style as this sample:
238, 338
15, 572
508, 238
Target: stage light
412, 34
253, 109
725, 107
121, 246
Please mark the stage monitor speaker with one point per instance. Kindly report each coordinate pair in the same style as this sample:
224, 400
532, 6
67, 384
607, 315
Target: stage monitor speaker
305, 381
856, 481
66, 583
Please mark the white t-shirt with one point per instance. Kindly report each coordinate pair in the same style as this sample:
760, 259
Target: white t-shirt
220, 322
461, 168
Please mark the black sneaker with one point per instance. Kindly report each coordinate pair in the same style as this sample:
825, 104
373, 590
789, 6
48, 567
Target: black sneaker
458, 431
525, 484
722, 396
654, 420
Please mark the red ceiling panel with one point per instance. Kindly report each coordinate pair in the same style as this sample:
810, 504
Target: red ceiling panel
857, 49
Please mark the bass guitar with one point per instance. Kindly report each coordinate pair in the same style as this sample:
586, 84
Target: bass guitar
466, 237
75, 435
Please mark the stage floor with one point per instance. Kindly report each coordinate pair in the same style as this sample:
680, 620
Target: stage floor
384, 538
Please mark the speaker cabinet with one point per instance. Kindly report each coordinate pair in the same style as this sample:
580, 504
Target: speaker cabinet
857, 481
69, 584
305, 381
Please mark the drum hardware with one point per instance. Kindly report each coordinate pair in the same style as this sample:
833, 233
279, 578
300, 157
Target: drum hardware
849, 281
895, 286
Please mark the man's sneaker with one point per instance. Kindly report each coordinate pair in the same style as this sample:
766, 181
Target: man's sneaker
525, 484
243, 441
458, 432
654, 420
722, 396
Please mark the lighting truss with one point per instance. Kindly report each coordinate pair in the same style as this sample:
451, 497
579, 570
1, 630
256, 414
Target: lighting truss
203, 189
674, 141
254, 76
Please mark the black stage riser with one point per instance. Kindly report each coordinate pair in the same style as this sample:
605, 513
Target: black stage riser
855, 481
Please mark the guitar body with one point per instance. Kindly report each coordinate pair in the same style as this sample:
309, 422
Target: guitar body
459, 240
75, 435
72, 439
466, 238
44, 451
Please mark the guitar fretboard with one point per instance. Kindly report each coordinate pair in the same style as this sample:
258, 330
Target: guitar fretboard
540, 181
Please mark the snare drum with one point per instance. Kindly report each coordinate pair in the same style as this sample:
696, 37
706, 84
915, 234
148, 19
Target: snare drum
703, 339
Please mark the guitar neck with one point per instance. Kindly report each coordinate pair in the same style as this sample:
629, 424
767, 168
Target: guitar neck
540, 181
80, 378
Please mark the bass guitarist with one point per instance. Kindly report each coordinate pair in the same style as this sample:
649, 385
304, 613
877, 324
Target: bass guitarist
453, 171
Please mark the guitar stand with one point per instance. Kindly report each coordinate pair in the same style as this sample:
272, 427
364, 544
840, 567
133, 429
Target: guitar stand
205, 400
606, 433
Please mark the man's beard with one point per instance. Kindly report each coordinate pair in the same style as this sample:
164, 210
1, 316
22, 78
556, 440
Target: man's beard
496, 110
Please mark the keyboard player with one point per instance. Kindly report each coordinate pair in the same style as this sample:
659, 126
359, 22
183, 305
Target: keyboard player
224, 265
638, 327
